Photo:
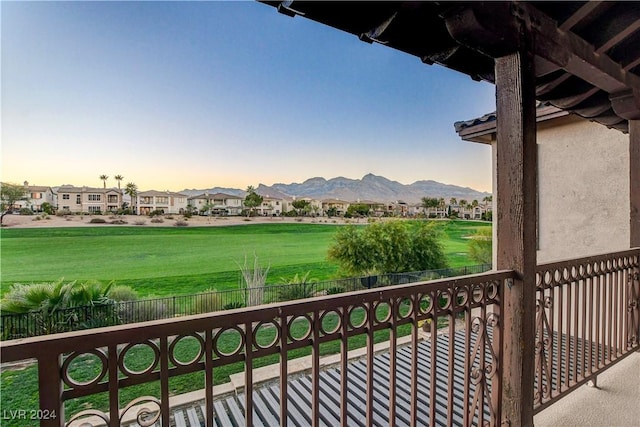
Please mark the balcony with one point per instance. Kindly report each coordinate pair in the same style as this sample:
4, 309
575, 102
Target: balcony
442, 365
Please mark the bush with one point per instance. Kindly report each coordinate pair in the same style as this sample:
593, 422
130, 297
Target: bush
387, 247
26, 211
207, 302
140, 222
297, 288
335, 290
50, 307
181, 223
122, 293
481, 247
157, 220
142, 310
63, 212
97, 221
118, 221
232, 305
157, 212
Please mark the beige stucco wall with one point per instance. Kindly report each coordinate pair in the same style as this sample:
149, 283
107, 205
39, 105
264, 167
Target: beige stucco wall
583, 189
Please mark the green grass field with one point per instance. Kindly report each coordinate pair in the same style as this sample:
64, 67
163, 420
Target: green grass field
167, 261
172, 261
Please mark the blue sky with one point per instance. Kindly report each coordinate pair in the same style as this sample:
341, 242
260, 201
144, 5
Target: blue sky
176, 95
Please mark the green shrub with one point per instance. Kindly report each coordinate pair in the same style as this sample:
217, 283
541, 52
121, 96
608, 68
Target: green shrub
335, 290
118, 221
142, 310
122, 293
157, 212
50, 307
97, 221
181, 223
297, 288
480, 246
207, 302
232, 305
26, 211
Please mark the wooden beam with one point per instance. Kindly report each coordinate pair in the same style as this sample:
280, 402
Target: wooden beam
588, 9
634, 181
494, 30
626, 32
516, 187
573, 53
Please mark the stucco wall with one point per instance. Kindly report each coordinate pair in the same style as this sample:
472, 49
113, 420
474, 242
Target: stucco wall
583, 190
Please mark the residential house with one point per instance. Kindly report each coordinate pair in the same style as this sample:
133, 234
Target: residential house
35, 196
375, 208
335, 206
217, 204
88, 199
163, 201
271, 206
398, 208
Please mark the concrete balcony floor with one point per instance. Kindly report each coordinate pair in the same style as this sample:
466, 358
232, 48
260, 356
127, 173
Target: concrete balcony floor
614, 403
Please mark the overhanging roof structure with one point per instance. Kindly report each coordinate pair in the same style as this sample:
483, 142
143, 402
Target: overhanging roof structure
586, 54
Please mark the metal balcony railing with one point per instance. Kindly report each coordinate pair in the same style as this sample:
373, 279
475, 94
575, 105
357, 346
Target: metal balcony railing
279, 330
587, 318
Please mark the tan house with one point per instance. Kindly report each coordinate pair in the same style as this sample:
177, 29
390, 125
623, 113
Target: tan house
216, 204
271, 206
164, 201
89, 199
35, 196
340, 206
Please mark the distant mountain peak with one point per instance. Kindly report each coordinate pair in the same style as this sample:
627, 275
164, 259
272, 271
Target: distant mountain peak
370, 187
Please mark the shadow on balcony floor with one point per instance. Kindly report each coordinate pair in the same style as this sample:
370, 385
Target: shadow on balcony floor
616, 401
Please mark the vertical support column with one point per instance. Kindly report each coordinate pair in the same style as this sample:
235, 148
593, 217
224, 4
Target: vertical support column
516, 188
50, 390
634, 182
634, 230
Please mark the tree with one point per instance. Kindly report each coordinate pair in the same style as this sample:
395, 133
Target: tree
358, 210
47, 208
252, 200
453, 201
132, 191
389, 247
118, 178
332, 211
481, 246
104, 179
430, 202
9, 195
301, 206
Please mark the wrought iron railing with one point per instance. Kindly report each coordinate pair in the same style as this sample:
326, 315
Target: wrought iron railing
457, 385
587, 319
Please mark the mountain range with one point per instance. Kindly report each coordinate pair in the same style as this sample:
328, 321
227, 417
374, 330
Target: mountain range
370, 187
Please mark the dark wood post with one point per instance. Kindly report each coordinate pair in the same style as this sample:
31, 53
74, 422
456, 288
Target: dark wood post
634, 182
50, 391
516, 191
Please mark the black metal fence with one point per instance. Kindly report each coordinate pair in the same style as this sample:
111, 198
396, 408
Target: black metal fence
35, 323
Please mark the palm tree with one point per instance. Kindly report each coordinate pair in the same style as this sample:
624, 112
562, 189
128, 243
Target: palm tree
104, 179
132, 190
118, 178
